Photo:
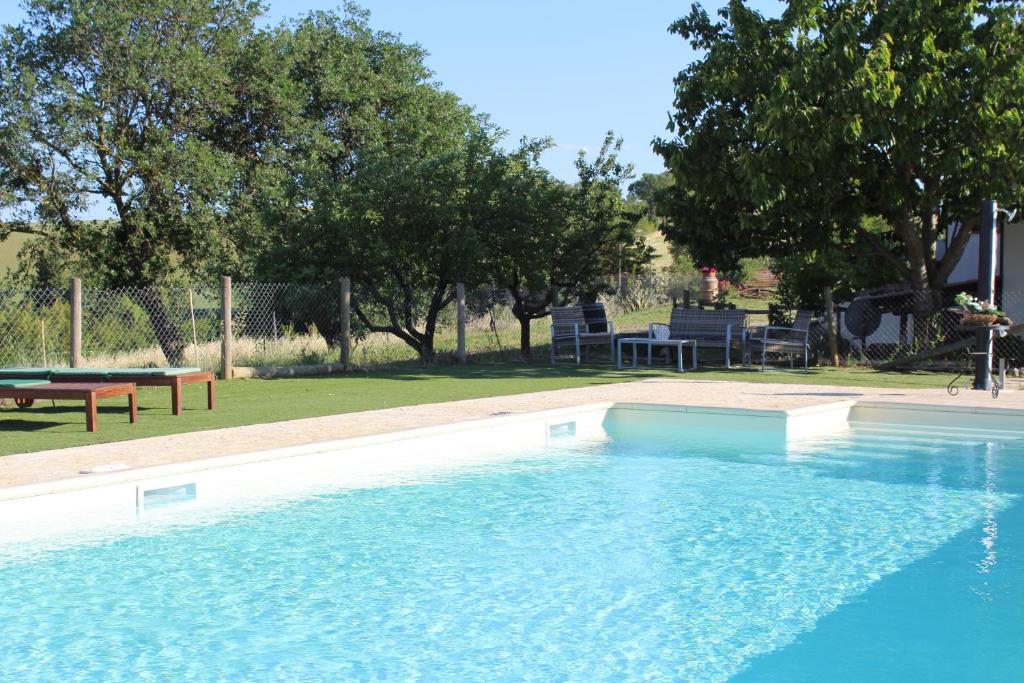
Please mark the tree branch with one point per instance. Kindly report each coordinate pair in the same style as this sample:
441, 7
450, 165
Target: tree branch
20, 227
954, 251
387, 329
875, 243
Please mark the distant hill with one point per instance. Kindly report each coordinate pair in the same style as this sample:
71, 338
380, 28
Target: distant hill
9, 249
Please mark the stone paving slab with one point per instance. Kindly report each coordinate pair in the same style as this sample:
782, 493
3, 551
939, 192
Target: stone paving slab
66, 463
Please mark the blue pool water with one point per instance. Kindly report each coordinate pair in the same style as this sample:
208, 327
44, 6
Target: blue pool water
659, 554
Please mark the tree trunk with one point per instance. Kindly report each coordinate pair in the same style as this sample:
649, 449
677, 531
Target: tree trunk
926, 299
427, 349
522, 311
524, 336
172, 344
926, 302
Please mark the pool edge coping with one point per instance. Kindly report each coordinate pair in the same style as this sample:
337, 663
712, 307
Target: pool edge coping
87, 481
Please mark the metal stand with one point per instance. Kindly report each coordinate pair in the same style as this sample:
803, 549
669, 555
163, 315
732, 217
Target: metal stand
994, 383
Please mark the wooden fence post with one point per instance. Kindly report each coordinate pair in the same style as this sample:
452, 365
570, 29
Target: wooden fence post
345, 335
460, 322
227, 334
76, 322
830, 321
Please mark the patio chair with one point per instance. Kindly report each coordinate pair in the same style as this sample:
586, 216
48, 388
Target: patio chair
569, 326
174, 378
26, 392
790, 341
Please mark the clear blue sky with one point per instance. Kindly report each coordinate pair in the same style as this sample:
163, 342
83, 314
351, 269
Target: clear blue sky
569, 69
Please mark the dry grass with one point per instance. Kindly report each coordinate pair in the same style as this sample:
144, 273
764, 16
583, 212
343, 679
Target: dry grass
483, 337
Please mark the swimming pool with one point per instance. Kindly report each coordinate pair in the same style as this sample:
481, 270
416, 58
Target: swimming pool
639, 546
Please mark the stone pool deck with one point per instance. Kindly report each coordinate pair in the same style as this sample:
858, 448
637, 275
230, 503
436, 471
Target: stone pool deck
55, 465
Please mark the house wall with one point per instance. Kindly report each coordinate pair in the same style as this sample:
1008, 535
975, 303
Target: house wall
888, 331
1013, 275
967, 268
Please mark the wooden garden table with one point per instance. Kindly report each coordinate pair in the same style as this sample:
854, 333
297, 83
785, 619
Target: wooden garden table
90, 392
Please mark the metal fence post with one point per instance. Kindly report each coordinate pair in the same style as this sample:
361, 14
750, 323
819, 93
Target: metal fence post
460, 322
76, 322
830, 323
227, 335
346, 321
987, 256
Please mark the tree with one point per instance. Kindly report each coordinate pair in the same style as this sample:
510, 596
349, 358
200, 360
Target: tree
383, 178
548, 236
650, 190
847, 268
115, 102
790, 132
412, 218
521, 237
600, 238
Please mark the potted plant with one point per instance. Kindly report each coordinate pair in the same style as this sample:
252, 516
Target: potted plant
979, 313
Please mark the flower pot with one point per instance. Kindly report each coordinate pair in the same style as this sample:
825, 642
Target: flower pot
979, 319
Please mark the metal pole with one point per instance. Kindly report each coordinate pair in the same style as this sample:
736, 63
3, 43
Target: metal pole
226, 354
460, 322
76, 322
987, 247
345, 337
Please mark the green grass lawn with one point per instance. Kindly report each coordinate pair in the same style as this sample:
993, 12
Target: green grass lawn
242, 402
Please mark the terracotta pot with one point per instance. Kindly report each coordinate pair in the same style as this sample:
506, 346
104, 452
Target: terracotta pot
979, 319
708, 288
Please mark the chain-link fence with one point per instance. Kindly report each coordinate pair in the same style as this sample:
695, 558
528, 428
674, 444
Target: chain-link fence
924, 330
151, 327
34, 327
290, 324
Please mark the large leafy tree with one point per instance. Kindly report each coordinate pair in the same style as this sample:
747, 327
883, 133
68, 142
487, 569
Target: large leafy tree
546, 236
115, 103
384, 178
412, 218
790, 132
522, 235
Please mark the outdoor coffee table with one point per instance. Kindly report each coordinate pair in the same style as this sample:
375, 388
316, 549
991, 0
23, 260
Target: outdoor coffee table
89, 392
650, 343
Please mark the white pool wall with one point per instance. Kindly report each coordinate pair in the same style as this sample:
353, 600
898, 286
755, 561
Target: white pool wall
93, 501
266, 478
1005, 421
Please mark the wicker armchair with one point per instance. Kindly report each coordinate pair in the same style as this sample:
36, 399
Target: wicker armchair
569, 327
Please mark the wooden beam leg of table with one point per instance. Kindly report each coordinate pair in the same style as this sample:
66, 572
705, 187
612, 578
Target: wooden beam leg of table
210, 402
133, 408
176, 397
90, 412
